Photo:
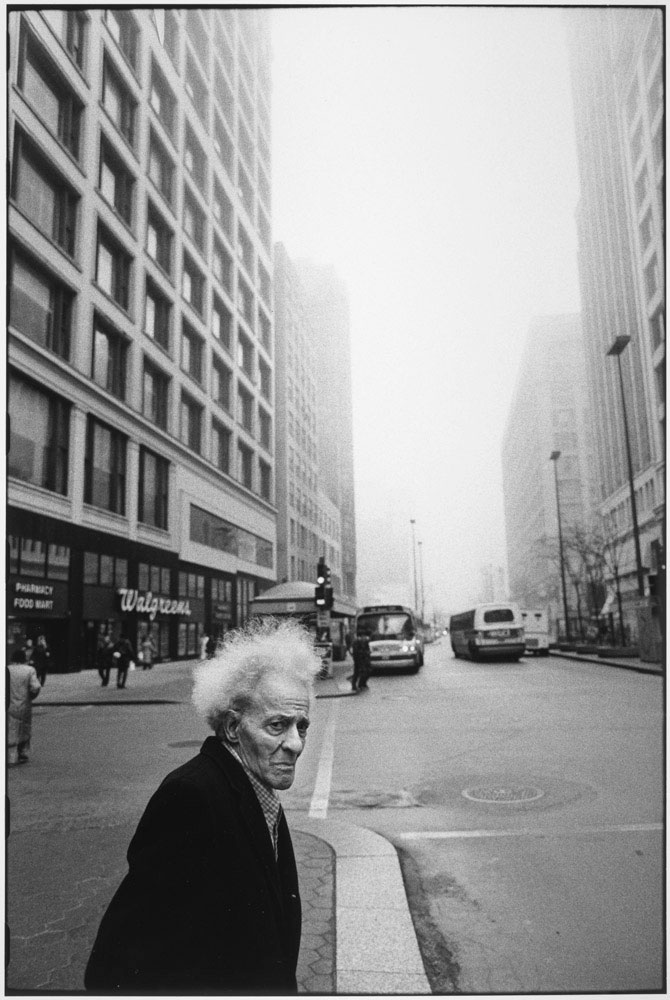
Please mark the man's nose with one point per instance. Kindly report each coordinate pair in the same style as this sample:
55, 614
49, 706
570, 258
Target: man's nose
293, 741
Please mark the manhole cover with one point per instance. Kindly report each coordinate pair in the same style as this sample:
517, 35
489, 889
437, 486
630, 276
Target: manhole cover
503, 794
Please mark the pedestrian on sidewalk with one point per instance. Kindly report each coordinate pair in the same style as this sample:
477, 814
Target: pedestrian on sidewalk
211, 902
104, 658
41, 657
22, 688
360, 650
204, 643
148, 650
123, 657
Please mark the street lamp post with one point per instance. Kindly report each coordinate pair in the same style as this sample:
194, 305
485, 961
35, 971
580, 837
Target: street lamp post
421, 576
616, 350
412, 522
554, 457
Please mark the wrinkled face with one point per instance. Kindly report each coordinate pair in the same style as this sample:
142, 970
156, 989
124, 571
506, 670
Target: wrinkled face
270, 735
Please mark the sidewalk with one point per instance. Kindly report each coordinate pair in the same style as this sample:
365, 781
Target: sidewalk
358, 935
624, 663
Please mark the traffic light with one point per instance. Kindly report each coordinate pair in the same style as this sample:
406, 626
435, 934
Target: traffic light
323, 592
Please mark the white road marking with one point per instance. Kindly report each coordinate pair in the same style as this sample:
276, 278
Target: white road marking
466, 834
318, 807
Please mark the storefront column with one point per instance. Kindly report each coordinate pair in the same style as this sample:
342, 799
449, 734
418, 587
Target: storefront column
132, 486
77, 455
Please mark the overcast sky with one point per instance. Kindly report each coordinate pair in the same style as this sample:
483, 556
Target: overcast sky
428, 154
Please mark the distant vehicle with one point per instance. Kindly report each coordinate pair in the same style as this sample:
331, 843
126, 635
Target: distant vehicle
396, 641
488, 631
536, 630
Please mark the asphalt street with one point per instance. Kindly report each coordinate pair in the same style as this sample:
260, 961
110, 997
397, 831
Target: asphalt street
524, 800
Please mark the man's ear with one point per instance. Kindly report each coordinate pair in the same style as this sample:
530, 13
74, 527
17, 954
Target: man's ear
231, 726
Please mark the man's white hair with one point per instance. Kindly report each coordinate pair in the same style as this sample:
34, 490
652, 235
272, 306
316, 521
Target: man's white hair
264, 646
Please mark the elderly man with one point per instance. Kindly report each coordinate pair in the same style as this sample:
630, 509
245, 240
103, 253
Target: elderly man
210, 903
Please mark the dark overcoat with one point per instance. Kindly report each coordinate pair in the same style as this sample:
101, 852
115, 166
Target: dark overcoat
204, 908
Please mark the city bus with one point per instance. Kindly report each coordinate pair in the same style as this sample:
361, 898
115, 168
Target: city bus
396, 640
488, 630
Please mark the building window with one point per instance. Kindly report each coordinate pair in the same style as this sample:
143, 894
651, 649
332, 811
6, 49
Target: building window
190, 424
651, 277
246, 456
44, 197
40, 306
123, 28
191, 352
266, 480
155, 395
265, 380
245, 354
109, 359
162, 100
223, 145
246, 409
265, 330
223, 209
105, 468
157, 313
224, 97
153, 490
245, 190
222, 265
194, 220
221, 447
39, 426
264, 284
159, 240
198, 34
657, 324
116, 182
222, 321
265, 230
244, 141
245, 301
71, 27
264, 188
196, 89
118, 102
49, 95
221, 383
195, 160
192, 283
161, 168
113, 265
245, 249
265, 428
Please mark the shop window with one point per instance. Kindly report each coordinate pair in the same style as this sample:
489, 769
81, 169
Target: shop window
106, 571
113, 268
116, 182
58, 562
160, 168
124, 30
157, 314
48, 94
39, 436
191, 585
44, 196
110, 349
33, 557
40, 306
91, 562
153, 494
118, 102
105, 468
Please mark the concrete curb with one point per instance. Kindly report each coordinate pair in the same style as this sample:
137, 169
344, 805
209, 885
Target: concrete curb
377, 951
637, 665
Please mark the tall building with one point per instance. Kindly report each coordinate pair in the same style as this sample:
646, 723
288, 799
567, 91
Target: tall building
549, 411
140, 359
617, 80
327, 307
308, 521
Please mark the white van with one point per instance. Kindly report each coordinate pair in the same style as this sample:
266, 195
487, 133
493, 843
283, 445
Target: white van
488, 631
536, 628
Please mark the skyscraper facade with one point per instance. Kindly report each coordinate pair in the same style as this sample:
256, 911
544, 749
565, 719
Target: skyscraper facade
309, 523
140, 355
327, 307
617, 80
550, 411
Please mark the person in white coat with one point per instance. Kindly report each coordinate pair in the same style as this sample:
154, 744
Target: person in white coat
22, 687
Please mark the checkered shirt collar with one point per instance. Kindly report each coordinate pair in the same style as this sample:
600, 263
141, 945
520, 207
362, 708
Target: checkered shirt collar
267, 797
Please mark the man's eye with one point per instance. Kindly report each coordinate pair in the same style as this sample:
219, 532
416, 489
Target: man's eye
302, 728
276, 727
